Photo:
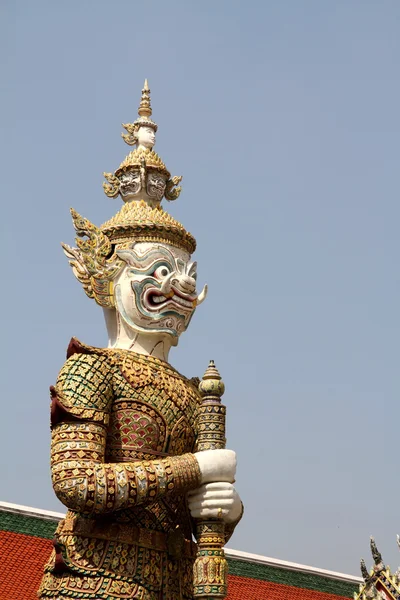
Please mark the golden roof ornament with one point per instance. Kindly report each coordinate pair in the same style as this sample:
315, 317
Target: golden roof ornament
142, 175
379, 583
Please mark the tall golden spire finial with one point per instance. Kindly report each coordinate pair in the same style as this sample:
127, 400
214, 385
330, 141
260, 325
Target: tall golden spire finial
145, 106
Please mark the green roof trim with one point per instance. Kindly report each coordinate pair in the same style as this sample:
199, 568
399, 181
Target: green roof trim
45, 528
297, 579
34, 526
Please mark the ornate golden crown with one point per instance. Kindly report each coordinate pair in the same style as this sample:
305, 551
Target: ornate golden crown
141, 159
136, 157
94, 261
138, 221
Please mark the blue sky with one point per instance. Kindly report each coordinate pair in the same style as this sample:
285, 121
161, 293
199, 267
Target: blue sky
283, 118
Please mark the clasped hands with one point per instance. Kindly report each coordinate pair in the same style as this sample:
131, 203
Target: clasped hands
216, 498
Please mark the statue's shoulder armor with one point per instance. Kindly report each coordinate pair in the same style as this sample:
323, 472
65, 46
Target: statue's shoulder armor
84, 385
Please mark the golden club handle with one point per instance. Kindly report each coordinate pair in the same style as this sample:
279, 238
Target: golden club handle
210, 569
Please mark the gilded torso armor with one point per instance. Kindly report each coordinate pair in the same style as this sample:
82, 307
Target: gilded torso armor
124, 428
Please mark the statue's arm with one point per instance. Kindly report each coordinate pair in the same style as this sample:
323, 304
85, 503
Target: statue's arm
82, 480
85, 483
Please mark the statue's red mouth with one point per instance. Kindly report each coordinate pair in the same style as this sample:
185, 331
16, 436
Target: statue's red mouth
155, 300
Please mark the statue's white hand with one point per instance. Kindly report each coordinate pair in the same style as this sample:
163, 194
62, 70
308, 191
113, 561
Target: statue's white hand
217, 465
215, 500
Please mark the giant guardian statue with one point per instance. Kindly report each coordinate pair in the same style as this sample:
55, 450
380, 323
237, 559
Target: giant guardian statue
137, 452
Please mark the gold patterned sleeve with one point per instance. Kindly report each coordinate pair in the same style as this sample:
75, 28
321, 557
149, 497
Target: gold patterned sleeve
81, 479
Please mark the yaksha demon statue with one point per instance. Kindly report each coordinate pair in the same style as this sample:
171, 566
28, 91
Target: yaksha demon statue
137, 449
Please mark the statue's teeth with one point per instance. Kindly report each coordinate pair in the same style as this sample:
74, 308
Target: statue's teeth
182, 301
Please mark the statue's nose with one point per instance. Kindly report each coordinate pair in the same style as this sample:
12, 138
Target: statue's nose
184, 283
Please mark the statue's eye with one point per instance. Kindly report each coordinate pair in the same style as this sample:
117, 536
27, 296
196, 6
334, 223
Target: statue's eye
162, 272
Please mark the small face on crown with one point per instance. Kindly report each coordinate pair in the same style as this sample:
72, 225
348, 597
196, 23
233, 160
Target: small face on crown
130, 184
146, 137
156, 290
156, 183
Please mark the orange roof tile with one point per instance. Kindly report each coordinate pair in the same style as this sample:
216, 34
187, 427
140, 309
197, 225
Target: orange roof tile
245, 588
22, 558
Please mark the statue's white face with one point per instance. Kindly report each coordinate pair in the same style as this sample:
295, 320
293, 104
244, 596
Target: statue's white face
146, 137
156, 290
